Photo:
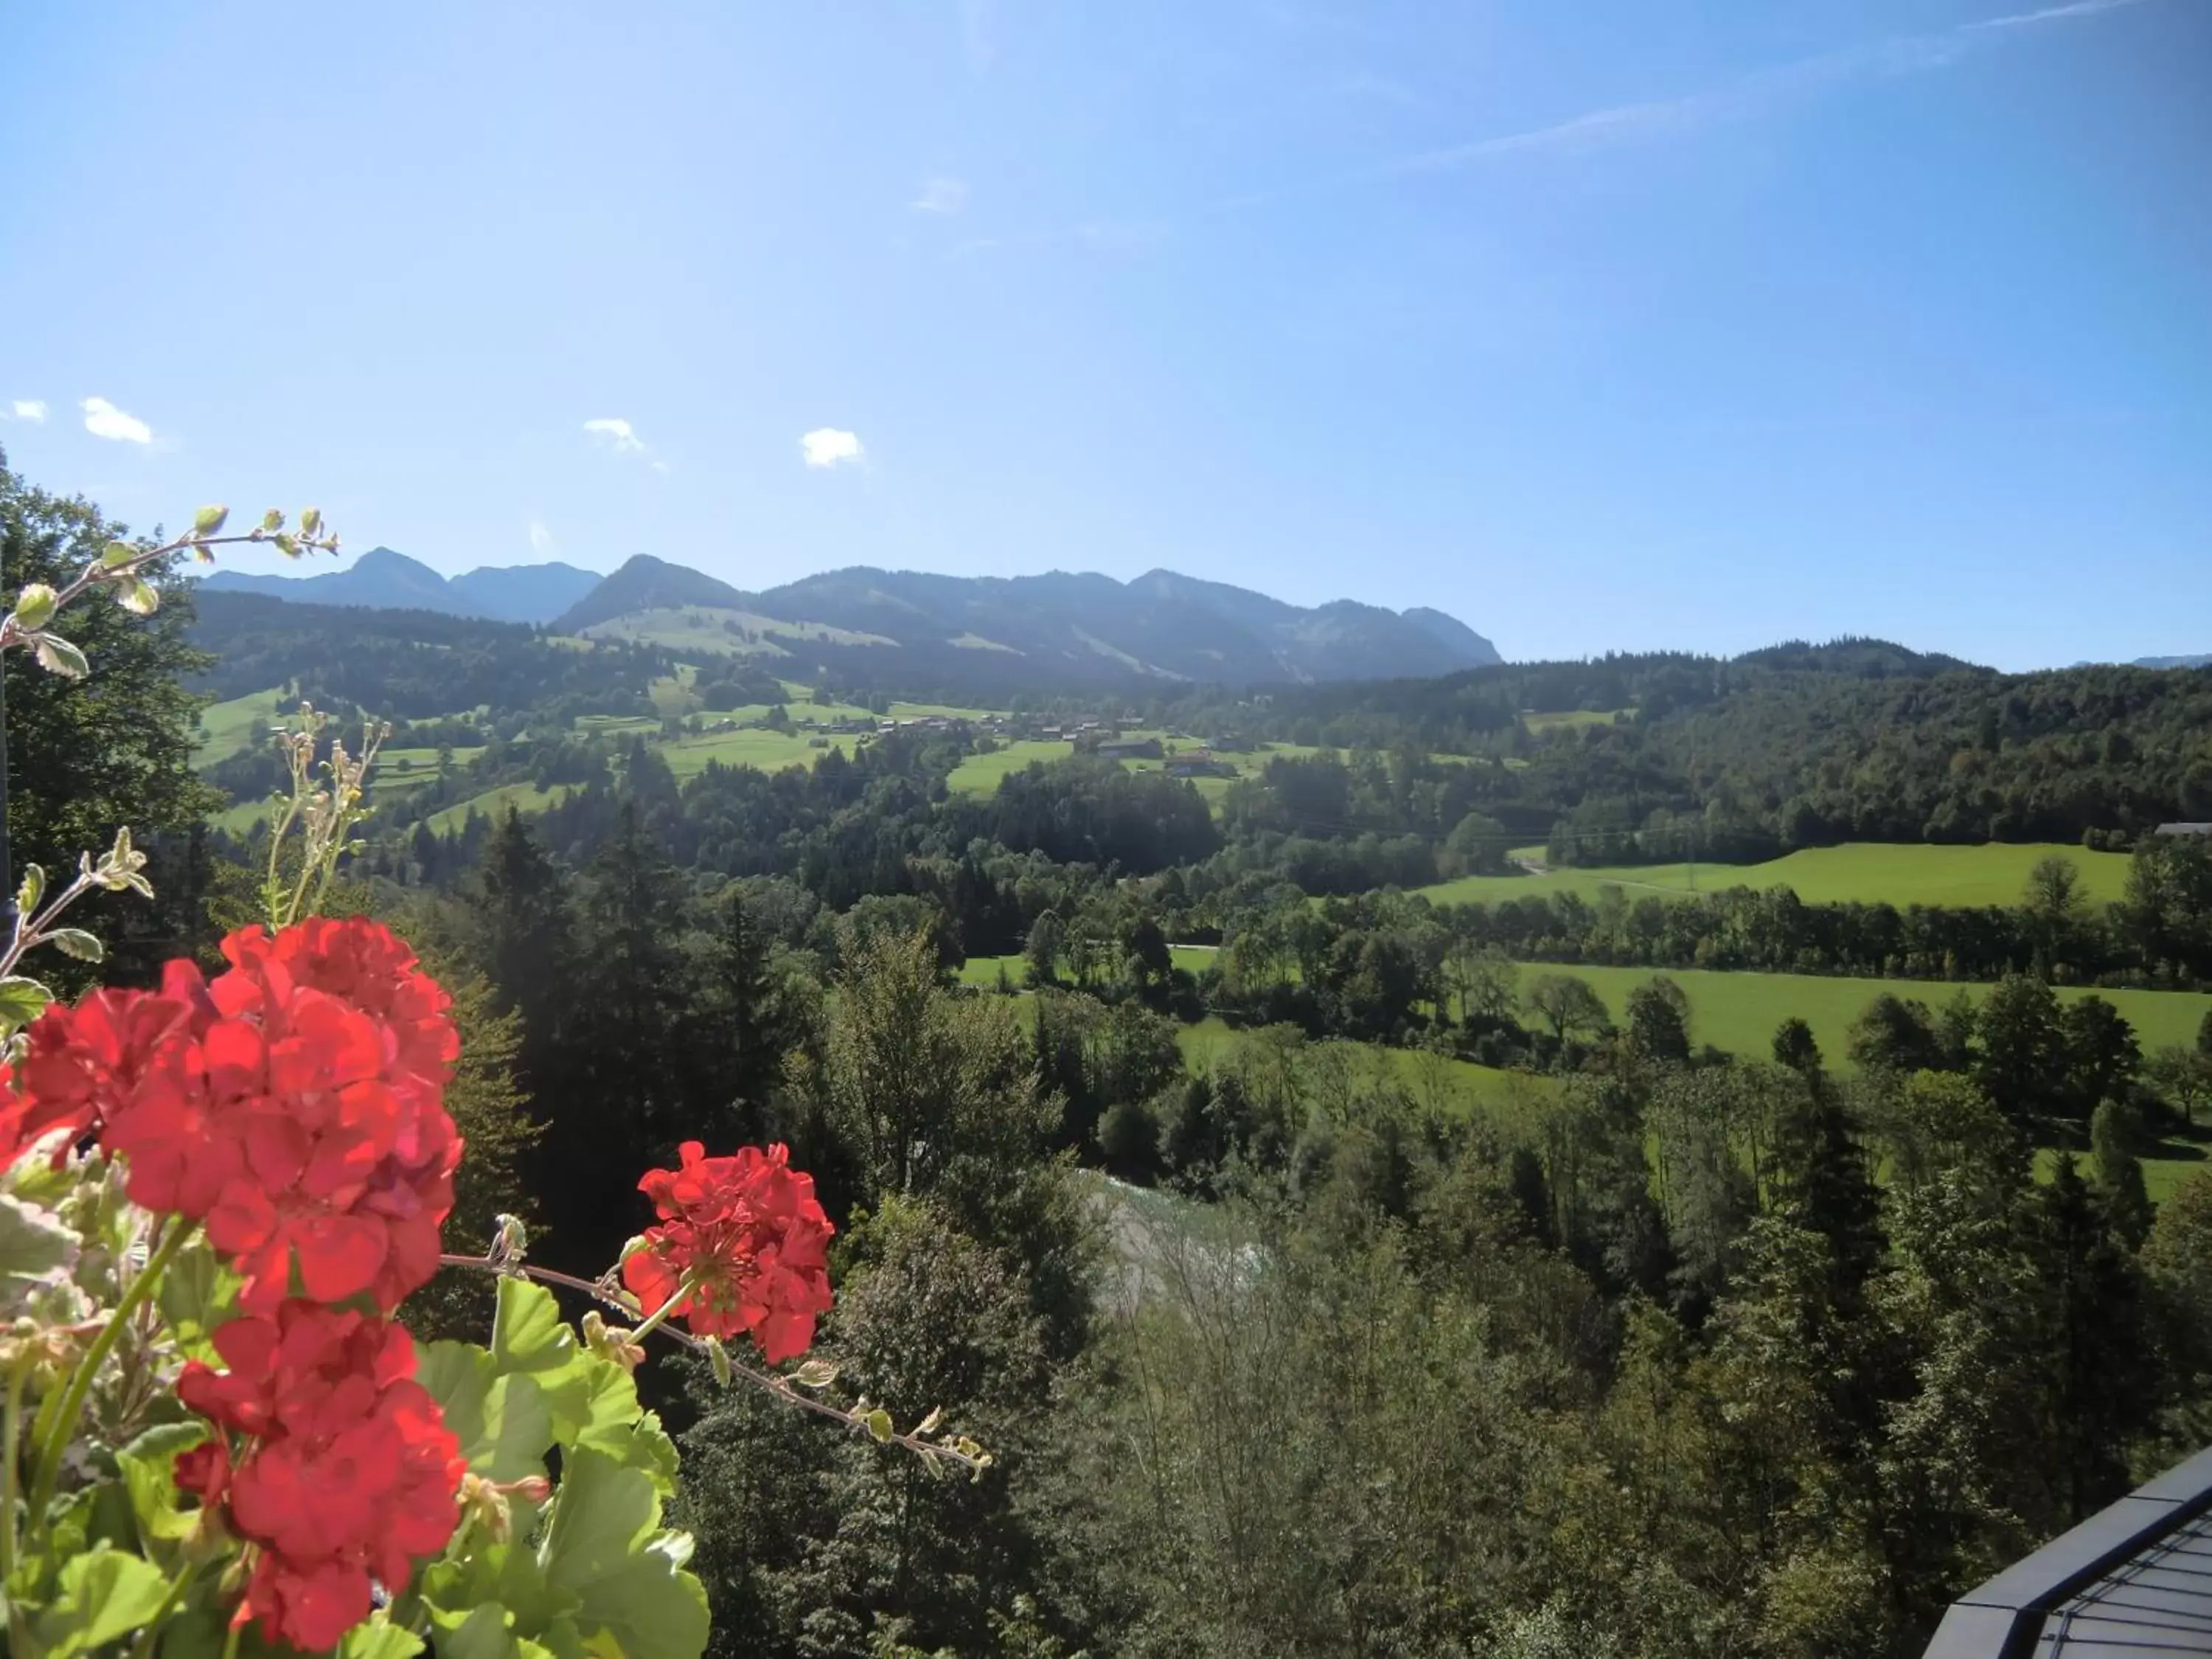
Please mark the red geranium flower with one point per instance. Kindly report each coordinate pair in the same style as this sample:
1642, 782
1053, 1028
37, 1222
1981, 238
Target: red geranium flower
294, 1104
349, 1476
84, 1064
325, 1071
750, 1233
364, 964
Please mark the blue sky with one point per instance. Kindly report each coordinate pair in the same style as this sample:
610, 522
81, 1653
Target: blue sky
1619, 324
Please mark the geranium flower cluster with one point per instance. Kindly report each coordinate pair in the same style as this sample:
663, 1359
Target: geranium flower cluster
352, 1473
294, 1105
742, 1246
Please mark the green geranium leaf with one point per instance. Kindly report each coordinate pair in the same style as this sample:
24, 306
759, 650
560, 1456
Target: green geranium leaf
195, 1297
528, 1333
57, 656
503, 1423
35, 607
22, 1000
642, 1444
75, 942
36, 1246
378, 1639
605, 1546
459, 1376
150, 1470
486, 1632
591, 1400
105, 1596
496, 1604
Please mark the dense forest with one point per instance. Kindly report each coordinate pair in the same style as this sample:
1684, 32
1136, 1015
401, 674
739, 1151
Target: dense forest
1283, 1346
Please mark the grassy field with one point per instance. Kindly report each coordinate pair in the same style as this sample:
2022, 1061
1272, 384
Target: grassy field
706, 629
771, 751
1432, 1079
240, 819
1572, 719
979, 775
494, 803
420, 761
1738, 1011
1865, 871
226, 728
984, 971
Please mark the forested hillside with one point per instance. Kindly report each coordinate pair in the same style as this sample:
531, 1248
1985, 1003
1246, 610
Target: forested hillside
1789, 748
1347, 1239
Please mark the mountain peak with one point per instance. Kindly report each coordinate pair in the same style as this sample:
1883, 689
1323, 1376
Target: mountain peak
385, 578
1060, 627
1451, 631
643, 583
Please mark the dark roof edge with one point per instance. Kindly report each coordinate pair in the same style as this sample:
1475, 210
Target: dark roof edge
2003, 1617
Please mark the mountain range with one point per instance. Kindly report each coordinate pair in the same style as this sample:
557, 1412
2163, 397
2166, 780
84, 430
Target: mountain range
382, 579
1045, 629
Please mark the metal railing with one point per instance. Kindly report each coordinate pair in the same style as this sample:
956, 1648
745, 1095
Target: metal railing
2135, 1578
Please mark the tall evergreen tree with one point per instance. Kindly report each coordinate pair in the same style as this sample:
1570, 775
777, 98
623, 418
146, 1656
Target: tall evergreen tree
633, 997
2096, 1351
2115, 1136
87, 757
743, 1027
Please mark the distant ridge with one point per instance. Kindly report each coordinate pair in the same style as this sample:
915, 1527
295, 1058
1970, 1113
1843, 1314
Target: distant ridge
382, 579
643, 583
1058, 629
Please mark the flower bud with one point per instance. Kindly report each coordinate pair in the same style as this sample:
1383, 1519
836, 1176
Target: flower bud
35, 607
485, 1501
530, 1489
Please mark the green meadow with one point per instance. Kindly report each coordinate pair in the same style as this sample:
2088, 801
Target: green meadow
771, 751
226, 728
1738, 1011
984, 971
493, 803
1863, 871
1435, 1080
1568, 720
980, 774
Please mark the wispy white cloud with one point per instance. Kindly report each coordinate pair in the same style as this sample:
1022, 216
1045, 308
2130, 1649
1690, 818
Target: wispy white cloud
1758, 93
104, 420
33, 410
2050, 14
826, 446
541, 540
661, 467
619, 435
942, 196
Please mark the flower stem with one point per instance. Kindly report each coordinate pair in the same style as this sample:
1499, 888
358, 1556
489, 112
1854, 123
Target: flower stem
10, 1432
88, 1369
143, 1647
658, 1316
